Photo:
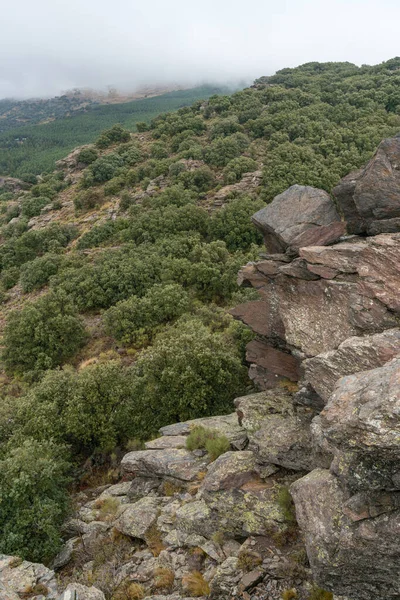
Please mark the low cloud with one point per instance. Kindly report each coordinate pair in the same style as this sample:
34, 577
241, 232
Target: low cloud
48, 46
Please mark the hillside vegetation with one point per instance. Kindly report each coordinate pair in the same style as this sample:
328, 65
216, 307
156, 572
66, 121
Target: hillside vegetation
35, 146
117, 271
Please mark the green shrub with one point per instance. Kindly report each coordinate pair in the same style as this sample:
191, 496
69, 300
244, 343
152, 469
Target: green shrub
9, 277
37, 273
116, 134
233, 225
31, 207
114, 186
33, 500
209, 439
105, 168
236, 168
89, 199
194, 371
87, 156
89, 410
136, 320
42, 335
33, 243
217, 446
223, 150
199, 180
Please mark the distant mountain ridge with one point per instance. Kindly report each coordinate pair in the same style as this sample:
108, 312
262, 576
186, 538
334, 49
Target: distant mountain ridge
34, 134
16, 113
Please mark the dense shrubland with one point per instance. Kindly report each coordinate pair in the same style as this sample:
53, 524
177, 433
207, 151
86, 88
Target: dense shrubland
121, 326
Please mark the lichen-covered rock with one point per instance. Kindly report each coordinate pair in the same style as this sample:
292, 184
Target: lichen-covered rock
77, 591
226, 425
353, 355
278, 432
359, 559
171, 441
362, 423
170, 462
224, 583
230, 470
195, 518
252, 509
17, 576
300, 216
136, 519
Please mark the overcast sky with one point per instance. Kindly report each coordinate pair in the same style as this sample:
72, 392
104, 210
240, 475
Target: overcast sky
51, 45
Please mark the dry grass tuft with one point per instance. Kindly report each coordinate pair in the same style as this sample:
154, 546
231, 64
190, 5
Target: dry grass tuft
154, 541
129, 591
195, 584
163, 578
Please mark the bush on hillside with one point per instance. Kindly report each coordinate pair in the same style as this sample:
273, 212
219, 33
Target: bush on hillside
33, 500
194, 371
114, 135
87, 156
233, 225
42, 335
136, 320
31, 207
37, 273
237, 167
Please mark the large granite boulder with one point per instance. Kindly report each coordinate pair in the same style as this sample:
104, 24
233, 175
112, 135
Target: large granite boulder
300, 216
355, 558
353, 355
370, 197
175, 463
278, 432
17, 576
362, 423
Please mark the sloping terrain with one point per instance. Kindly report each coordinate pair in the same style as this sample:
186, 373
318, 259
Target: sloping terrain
119, 270
34, 146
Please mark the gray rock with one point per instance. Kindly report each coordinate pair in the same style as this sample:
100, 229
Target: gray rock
76, 591
253, 509
278, 432
65, 554
230, 470
136, 519
300, 216
353, 355
358, 559
172, 441
116, 491
372, 194
17, 576
195, 518
171, 462
362, 423
227, 576
224, 424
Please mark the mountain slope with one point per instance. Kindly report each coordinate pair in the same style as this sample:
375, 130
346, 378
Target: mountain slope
122, 264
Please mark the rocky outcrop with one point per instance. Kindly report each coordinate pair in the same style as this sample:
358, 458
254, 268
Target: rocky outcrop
300, 216
370, 197
325, 424
328, 319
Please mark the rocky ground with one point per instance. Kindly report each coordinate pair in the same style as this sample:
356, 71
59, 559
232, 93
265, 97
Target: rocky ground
325, 426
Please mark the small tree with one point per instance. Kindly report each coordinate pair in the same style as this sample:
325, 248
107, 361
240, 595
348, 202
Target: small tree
42, 335
189, 372
33, 500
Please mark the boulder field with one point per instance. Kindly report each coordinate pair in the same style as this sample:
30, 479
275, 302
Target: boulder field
324, 425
